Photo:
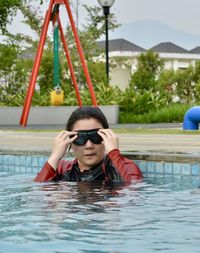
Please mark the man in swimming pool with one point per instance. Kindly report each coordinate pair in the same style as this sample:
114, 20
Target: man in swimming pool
95, 148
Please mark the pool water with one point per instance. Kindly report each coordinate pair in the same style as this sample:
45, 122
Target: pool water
156, 215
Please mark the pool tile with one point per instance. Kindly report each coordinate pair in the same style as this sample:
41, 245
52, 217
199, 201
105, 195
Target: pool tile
176, 168
11, 160
159, 175
151, 166
29, 170
177, 177
168, 168
33, 164
195, 169
159, 167
17, 169
143, 166
5, 160
41, 161
23, 160
195, 182
18, 160
28, 161
150, 175
186, 169
168, 176
5, 167
35, 170
25, 169
35, 161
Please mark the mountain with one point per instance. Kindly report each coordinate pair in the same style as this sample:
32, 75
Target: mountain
148, 33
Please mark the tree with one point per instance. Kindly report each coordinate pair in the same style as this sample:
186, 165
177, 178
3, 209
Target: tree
8, 9
96, 24
148, 69
197, 81
13, 75
185, 85
167, 85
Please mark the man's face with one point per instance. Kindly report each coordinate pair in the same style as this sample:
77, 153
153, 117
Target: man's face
88, 154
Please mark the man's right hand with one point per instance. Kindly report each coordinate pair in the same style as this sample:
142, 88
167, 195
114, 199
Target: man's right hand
60, 145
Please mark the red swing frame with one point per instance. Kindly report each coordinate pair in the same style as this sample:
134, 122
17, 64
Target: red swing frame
37, 61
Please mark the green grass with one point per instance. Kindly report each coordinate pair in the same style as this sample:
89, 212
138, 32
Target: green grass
155, 131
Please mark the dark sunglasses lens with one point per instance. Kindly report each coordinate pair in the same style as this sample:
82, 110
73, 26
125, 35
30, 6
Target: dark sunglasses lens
80, 140
95, 138
83, 136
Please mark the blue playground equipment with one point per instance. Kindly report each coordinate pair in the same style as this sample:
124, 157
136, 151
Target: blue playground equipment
192, 119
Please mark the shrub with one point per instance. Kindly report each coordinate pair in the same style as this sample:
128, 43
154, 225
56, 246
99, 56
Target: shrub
172, 113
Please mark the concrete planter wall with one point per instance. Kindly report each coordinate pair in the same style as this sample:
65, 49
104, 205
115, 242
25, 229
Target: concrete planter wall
50, 115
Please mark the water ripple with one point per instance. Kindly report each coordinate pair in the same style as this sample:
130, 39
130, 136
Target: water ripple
82, 217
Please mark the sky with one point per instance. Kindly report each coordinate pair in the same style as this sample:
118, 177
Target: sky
180, 14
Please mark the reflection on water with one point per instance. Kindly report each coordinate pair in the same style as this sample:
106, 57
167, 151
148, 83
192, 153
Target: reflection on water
86, 217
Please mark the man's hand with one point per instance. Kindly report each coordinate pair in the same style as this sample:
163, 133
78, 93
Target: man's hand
110, 139
60, 145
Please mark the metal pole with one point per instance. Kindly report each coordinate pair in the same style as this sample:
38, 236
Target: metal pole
34, 74
106, 11
77, 15
107, 48
70, 64
56, 63
81, 54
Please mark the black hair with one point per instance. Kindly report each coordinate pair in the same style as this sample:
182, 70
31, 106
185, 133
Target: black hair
87, 112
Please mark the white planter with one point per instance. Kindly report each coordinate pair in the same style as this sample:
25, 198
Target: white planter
50, 115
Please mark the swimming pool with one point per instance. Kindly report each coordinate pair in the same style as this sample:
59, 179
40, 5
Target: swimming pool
159, 214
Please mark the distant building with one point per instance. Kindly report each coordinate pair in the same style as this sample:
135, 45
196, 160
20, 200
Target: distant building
195, 50
123, 60
174, 57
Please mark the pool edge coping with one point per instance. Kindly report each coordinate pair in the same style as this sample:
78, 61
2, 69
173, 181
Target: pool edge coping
145, 155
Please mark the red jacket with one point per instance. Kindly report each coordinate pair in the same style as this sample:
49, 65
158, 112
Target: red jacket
114, 168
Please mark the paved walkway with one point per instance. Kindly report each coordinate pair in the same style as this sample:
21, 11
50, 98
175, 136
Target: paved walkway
165, 143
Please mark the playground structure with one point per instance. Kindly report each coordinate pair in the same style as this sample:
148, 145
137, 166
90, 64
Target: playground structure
192, 119
52, 14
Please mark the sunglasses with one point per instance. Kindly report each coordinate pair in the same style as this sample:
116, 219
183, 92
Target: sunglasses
85, 135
